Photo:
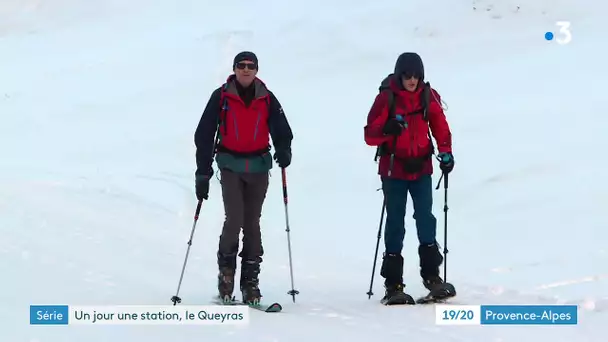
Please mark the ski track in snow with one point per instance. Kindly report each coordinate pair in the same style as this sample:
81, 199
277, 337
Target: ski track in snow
98, 106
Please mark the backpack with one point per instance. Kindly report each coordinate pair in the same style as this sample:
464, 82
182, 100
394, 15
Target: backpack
425, 101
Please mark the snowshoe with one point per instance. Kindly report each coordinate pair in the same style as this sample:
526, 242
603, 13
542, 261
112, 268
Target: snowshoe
395, 295
439, 294
430, 260
439, 290
392, 271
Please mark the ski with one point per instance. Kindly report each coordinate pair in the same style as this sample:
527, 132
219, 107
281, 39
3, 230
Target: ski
438, 295
274, 307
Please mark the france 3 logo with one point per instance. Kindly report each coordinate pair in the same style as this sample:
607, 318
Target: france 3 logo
564, 35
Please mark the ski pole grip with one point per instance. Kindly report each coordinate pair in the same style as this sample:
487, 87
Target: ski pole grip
198, 210
284, 179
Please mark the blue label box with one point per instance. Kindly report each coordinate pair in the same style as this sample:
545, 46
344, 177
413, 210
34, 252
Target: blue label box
529, 314
49, 314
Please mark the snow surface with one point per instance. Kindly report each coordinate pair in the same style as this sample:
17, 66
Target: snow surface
99, 103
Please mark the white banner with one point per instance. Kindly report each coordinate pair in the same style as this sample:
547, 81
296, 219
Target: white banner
158, 315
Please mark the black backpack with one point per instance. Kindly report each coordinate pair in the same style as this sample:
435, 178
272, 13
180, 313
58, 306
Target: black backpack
425, 100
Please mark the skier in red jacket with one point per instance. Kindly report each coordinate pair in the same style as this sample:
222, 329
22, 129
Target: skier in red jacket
246, 116
407, 136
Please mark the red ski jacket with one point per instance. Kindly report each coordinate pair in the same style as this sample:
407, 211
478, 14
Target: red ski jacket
414, 143
245, 129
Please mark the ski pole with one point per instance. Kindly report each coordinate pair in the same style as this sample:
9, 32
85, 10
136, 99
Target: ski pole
444, 177
370, 293
176, 299
293, 291
445, 226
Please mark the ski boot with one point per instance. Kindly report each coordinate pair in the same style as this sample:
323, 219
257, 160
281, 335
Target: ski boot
430, 261
250, 282
392, 271
227, 271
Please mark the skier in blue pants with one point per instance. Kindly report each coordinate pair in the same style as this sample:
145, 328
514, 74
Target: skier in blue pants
404, 136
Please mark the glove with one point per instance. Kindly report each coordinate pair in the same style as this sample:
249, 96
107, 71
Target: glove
202, 187
446, 162
394, 126
283, 157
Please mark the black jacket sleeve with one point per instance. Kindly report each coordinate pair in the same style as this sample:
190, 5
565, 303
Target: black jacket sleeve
280, 131
204, 137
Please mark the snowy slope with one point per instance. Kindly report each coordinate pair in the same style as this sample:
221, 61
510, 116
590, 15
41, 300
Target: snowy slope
98, 106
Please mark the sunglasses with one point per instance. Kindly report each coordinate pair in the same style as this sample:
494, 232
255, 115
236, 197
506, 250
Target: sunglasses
409, 74
250, 66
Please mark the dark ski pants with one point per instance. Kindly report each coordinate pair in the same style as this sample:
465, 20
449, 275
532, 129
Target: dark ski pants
395, 192
243, 195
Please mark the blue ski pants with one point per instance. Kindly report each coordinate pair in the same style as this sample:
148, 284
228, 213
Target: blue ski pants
395, 194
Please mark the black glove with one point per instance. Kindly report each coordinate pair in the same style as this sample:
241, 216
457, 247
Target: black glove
202, 187
393, 127
283, 157
446, 162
